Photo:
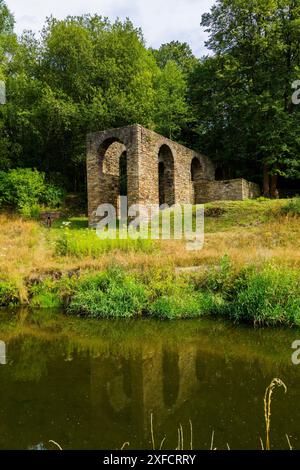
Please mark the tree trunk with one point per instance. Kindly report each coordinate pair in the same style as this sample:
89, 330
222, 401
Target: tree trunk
274, 191
266, 189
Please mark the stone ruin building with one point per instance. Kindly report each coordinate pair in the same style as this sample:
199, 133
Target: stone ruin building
150, 169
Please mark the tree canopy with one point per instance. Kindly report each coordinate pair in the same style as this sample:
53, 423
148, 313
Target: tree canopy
86, 73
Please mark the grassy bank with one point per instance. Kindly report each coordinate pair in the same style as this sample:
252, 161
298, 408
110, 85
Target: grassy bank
247, 271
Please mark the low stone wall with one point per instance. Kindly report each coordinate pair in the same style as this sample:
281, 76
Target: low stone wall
228, 190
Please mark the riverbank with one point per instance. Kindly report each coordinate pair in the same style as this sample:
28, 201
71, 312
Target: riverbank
247, 271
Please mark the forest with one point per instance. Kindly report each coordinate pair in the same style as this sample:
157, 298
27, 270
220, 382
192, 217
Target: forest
88, 73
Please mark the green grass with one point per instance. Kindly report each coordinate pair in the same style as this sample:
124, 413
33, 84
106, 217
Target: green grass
85, 243
225, 215
111, 294
292, 207
186, 304
264, 296
270, 297
9, 293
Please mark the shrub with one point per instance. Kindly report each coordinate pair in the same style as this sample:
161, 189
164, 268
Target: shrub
221, 279
108, 295
182, 304
24, 189
21, 187
46, 300
51, 293
269, 297
292, 207
9, 294
30, 212
53, 196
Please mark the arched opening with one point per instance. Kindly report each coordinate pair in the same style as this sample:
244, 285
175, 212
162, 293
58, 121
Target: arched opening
219, 174
196, 170
166, 176
110, 152
123, 174
161, 176
113, 172
196, 175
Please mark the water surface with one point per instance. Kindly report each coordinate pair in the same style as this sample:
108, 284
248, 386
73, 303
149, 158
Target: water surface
94, 384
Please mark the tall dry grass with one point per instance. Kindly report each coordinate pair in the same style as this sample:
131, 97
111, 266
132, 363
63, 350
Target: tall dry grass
27, 249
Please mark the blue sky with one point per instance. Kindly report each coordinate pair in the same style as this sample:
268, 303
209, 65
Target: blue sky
161, 20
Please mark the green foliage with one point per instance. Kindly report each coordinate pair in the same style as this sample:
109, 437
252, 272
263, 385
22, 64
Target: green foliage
112, 294
270, 297
86, 73
179, 52
23, 189
9, 294
171, 110
242, 94
53, 196
46, 300
51, 292
221, 279
182, 303
30, 211
292, 207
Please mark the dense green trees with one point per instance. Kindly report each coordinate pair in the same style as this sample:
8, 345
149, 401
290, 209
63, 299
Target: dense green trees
86, 73
242, 94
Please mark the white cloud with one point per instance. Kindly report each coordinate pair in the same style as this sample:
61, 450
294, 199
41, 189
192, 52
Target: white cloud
161, 20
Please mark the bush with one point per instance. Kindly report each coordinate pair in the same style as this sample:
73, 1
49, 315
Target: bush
51, 293
21, 187
221, 279
292, 207
270, 297
30, 212
9, 294
182, 304
24, 189
111, 294
53, 196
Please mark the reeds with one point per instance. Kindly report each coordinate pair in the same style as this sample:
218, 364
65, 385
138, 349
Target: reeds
267, 406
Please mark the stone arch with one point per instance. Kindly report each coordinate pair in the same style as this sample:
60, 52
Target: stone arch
196, 170
166, 176
109, 153
113, 165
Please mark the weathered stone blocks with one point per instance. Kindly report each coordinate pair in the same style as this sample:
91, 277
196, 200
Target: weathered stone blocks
158, 171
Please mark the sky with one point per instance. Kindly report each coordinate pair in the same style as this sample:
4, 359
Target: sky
161, 20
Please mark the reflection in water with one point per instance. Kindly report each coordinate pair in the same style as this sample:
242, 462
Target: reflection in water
170, 375
97, 389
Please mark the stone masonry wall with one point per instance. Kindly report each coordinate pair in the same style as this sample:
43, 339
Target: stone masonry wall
230, 190
103, 154
150, 145
144, 150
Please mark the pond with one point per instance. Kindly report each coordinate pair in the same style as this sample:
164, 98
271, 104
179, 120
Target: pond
95, 384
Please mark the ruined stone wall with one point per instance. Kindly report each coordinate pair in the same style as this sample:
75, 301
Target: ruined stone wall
103, 155
228, 190
187, 176
150, 145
